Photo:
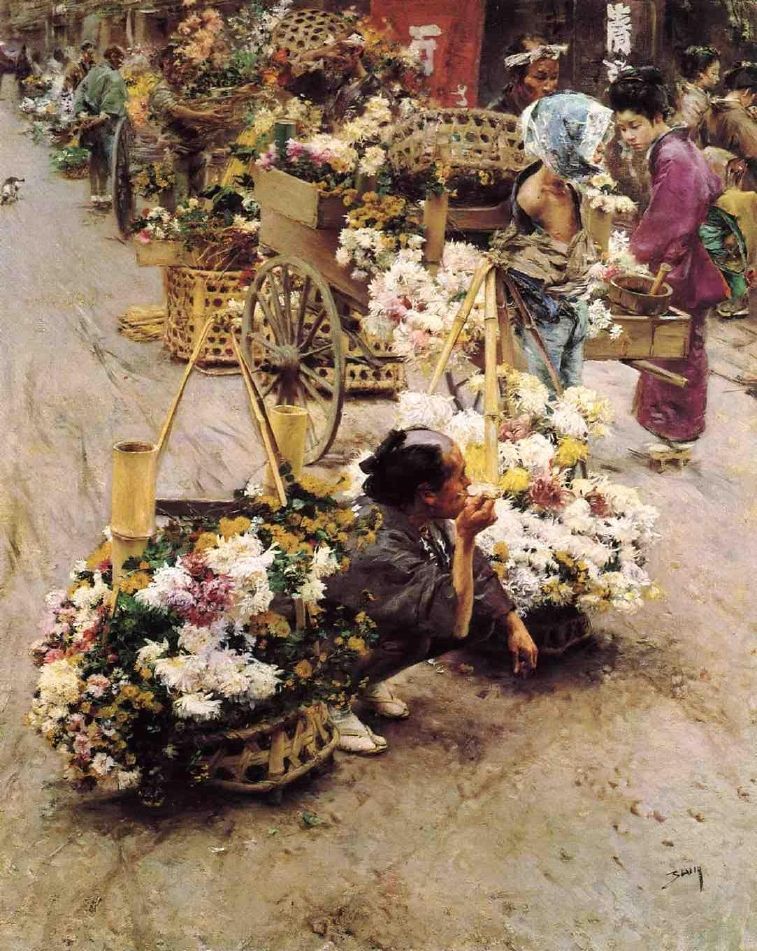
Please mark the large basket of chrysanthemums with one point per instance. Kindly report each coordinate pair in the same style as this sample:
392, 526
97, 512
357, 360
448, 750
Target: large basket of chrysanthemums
216, 660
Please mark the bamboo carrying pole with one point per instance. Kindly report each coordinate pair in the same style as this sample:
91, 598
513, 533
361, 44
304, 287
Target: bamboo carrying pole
491, 384
132, 520
434, 226
462, 315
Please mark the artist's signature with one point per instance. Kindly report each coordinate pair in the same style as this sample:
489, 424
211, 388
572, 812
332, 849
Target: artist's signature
683, 872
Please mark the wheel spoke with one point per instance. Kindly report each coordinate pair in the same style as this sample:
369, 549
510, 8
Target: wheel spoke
259, 338
313, 391
267, 390
267, 313
317, 321
317, 379
286, 287
312, 353
276, 301
302, 309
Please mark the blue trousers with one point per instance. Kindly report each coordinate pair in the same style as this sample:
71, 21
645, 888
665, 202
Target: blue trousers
564, 342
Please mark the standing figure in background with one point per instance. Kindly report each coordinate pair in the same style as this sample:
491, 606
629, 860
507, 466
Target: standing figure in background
101, 99
700, 69
185, 126
546, 249
683, 189
728, 123
535, 66
78, 70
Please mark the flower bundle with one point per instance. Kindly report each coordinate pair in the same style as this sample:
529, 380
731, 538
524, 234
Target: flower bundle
415, 308
204, 631
70, 160
154, 178
603, 195
560, 540
325, 161
378, 227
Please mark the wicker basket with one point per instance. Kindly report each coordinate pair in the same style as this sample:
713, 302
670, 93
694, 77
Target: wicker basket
266, 757
556, 629
304, 30
192, 297
469, 140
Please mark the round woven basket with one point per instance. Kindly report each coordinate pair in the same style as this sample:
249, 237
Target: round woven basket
304, 30
467, 140
268, 756
556, 629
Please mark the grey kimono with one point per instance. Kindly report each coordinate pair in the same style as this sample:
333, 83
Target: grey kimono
404, 583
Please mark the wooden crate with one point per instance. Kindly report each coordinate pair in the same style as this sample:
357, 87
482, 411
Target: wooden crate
664, 338
300, 201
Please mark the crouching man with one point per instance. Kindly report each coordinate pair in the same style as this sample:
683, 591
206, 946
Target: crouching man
423, 582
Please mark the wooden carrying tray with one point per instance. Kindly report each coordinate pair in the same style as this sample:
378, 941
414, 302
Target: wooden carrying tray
664, 338
301, 201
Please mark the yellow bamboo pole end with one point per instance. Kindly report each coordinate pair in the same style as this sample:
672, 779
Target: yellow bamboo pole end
491, 383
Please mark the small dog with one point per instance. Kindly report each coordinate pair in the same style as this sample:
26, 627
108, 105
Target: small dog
9, 191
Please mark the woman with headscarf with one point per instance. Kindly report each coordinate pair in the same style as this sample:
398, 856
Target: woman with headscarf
423, 582
546, 249
535, 67
683, 190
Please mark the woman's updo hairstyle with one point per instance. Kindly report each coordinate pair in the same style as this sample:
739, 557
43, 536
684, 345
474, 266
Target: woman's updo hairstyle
742, 76
640, 90
397, 469
696, 59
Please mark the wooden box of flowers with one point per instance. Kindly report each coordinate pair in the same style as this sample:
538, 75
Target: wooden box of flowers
216, 660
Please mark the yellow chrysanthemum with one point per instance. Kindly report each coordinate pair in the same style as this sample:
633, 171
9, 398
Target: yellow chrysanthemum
515, 480
205, 541
304, 669
99, 555
501, 551
228, 527
135, 582
357, 644
570, 451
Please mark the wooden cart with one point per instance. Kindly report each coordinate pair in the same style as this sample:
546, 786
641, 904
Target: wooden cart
301, 324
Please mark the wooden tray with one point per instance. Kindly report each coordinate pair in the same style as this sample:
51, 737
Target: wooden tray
301, 201
664, 338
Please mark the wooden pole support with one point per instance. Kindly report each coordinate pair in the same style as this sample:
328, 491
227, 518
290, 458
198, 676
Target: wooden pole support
462, 315
644, 366
200, 343
491, 384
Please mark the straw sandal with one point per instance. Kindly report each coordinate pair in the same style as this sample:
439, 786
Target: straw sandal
380, 699
355, 736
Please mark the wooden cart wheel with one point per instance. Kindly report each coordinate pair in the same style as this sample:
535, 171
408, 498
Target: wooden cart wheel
123, 197
292, 333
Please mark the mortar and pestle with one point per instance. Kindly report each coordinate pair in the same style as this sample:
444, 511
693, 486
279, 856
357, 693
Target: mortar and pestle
643, 296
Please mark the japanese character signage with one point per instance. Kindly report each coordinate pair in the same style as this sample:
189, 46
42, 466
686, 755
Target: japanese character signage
618, 42
446, 35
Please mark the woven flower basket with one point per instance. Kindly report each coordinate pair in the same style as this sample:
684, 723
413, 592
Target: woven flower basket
268, 756
557, 629
467, 140
192, 297
81, 171
304, 30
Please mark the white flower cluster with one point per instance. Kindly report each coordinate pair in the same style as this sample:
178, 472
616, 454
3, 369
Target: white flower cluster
369, 250
373, 125
601, 321
160, 225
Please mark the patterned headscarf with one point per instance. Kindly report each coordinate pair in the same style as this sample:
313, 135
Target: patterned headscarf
564, 130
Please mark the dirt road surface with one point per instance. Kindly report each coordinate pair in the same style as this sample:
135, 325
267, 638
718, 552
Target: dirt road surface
537, 816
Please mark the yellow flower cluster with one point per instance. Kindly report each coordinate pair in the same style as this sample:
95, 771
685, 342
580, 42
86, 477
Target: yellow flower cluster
570, 451
228, 527
515, 480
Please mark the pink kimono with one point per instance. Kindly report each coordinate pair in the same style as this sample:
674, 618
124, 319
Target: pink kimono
683, 188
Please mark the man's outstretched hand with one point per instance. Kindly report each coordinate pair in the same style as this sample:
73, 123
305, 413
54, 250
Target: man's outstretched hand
524, 652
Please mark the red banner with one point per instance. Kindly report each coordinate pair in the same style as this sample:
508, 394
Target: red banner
447, 35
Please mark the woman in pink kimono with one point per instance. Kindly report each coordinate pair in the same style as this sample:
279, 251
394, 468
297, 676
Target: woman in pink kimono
683, 188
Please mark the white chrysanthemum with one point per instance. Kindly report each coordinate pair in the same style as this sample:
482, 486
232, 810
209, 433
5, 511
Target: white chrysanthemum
87, 597
152, 650
524, 587
195, 640
372, 161
170, 586
424, 409
466, 429
128, 778
183, 672
353, 479
250, 602
59, 683
324, 563
262, 679
197, 706
595, 409
577, 516
312, 590
102, 765
567, 421
536, 452
509, 456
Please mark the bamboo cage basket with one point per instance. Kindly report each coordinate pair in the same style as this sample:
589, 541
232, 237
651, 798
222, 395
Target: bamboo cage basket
268, 756
302, 31
192, 297
472, 140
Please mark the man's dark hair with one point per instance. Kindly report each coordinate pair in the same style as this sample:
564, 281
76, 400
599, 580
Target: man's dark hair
87, 45
696, 59
396, 470
521, 44
640, 90
742, 76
